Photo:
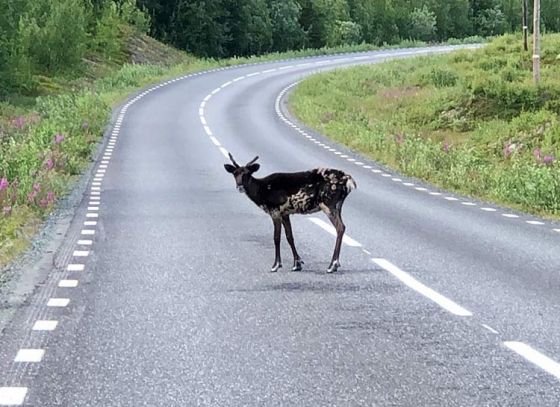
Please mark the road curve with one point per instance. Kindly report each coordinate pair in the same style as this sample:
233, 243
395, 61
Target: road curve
161, 295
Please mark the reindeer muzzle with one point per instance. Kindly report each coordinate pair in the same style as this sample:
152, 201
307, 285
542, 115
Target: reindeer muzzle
241, 188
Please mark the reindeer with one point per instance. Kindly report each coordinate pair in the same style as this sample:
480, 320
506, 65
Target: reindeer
284, 194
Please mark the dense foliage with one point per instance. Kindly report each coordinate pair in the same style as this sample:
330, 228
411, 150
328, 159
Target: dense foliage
221, 28
46, 38
471, 121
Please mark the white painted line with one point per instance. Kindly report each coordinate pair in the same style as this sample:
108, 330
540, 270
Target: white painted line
468, 203
68, 283
12, 396
224, 152
535, 357
98, 179
490, 329
44, 325
351, 159
29, 355
88, 232
269, 70
408, 184
253, 74
366, 166
556, 230
92, 215
238, 78
207, 130
58, 302
397, 179
90, 223
344, 156
510, 215
435, 193
85, 242
215, 141
225, 84
203, 120
450, 198
488, 209
96, 188
96, 184
534, 222
330, 229
207, 98
376, 171
386, 175
201, 112
75, 267
421, 189
426, 291
80, 253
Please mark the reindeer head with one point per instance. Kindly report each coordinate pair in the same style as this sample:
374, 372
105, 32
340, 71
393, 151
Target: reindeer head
243, 174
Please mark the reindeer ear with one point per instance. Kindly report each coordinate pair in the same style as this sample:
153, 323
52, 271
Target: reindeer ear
253, 168
229, 168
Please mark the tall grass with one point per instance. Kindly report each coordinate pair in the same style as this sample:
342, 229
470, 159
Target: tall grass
471, 121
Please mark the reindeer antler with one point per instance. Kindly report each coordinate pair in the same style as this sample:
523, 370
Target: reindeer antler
233, 161
252, 161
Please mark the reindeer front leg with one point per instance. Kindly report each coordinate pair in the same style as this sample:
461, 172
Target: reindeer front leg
277, 233
298, 262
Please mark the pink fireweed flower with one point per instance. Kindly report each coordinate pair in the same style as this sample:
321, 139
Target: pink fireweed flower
37, 187
49, 164
31, 196
7, 210
50, 197
19, 122
548, 159
43, 203
59, 138
537, 154
4, 184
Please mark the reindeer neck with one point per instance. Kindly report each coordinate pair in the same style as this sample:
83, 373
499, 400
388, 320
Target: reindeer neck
252, 189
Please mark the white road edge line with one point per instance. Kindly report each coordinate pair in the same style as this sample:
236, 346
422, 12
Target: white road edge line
330, 229
535, 357
426, 291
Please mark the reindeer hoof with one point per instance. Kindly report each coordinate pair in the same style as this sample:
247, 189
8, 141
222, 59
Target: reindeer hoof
297, 265
275, 267
333, 267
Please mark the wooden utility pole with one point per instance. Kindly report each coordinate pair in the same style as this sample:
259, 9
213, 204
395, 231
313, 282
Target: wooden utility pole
537, 42
525, 25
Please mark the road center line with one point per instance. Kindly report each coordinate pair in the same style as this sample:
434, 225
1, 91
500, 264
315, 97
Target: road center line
426, 291
330, 229
535, 357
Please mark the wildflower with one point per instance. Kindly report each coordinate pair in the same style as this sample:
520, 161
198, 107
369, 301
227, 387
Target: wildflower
537, 154
49, 164
50, 197
37, 187
7, 210
31, 196
4, 184
19, 122
59, 138
548, 159
43, 203
446, 147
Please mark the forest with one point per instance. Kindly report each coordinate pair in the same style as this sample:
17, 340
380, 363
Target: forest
223, 28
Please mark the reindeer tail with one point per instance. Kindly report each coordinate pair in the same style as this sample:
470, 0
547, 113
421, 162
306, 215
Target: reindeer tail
350, 183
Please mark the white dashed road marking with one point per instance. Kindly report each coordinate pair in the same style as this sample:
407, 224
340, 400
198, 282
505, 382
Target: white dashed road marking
29, 355
12, 396
535, 357
426, 291
330, 229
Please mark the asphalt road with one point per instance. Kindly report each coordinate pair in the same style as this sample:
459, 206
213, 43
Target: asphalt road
164, 297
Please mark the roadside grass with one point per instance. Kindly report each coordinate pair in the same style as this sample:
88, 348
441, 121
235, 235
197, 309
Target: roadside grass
470, 121
47, 137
